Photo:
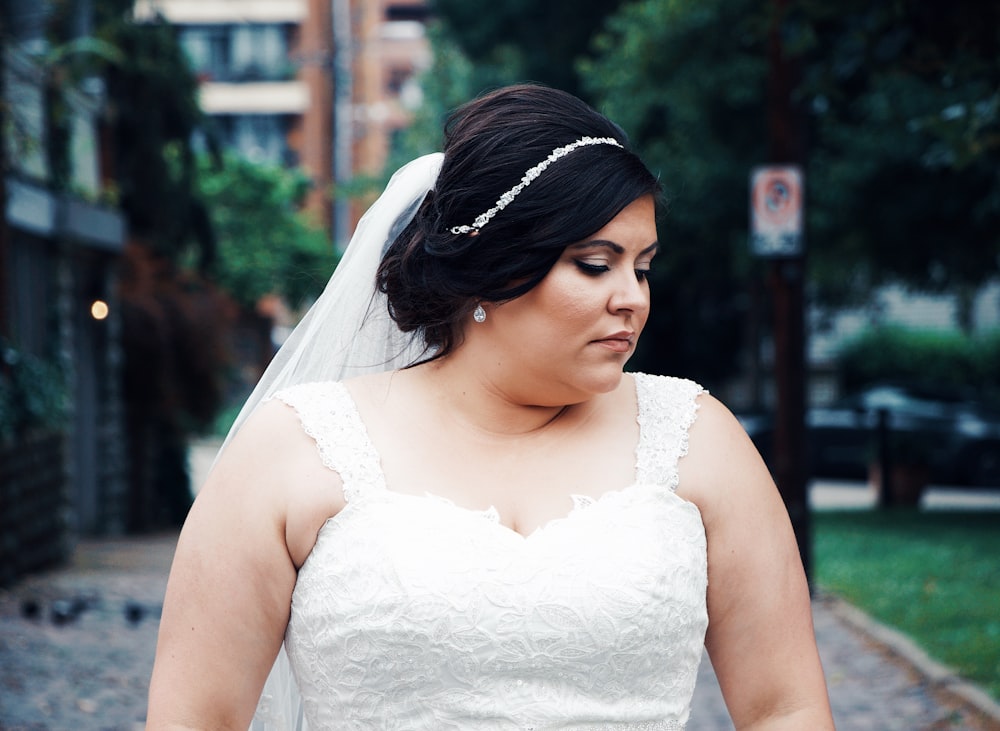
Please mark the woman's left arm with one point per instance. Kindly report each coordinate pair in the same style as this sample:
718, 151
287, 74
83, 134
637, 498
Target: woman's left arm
760, 636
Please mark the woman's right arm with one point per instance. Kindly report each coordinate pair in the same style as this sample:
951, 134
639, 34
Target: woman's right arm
229, 593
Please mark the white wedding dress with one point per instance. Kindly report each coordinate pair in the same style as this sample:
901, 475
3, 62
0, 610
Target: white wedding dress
413, 613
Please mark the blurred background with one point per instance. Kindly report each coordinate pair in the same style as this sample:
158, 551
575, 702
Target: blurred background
178, 178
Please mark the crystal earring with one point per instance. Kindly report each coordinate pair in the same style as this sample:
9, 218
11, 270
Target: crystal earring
479, 314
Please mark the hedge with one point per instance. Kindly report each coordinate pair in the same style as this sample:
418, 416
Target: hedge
947, 360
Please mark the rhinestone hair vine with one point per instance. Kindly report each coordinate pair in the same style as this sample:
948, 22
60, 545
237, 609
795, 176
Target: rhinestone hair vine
505, 200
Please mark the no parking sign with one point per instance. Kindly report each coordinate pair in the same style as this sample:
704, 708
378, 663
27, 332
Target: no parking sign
776, 211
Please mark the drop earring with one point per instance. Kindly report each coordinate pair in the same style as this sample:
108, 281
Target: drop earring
479, 314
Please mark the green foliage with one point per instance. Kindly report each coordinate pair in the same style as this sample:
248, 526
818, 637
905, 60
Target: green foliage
906, 143
932, 575
947, 56
33, 393
944, 359
152, 114
264, 244
899, 105
156, 116
524, 40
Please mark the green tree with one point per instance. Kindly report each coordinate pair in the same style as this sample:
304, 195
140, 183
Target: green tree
899, 102
905, 101
265, 244
525, 40
154, 118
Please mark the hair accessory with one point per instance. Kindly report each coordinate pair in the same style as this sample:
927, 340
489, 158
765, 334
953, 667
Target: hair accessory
505, 200
479, 314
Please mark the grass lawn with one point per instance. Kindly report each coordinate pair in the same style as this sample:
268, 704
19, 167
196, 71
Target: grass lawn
935, 576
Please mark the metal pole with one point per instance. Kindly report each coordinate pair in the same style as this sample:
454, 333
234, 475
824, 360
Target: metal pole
886, 496
343, 116
790, 443
787, 274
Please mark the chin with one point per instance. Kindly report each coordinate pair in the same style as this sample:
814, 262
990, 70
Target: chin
605, 381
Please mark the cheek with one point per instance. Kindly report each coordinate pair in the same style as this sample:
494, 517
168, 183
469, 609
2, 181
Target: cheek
571, 307
573, 292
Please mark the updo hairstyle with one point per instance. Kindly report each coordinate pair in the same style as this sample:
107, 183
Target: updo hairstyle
433, 278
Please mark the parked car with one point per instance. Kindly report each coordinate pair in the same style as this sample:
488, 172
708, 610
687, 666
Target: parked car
956, 437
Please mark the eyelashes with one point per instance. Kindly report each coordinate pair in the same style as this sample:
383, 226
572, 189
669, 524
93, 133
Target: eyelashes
592, 269
595, 270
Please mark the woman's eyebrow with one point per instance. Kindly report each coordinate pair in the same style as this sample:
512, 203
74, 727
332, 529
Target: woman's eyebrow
617, 248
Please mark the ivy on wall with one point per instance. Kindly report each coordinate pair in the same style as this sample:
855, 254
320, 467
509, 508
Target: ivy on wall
33, 393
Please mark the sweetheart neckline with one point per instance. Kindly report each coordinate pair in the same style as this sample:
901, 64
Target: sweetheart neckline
376, 455
608, 496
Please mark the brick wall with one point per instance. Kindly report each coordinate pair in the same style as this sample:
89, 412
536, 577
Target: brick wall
34, 504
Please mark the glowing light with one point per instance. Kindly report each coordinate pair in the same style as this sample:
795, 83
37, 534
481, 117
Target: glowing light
99, 309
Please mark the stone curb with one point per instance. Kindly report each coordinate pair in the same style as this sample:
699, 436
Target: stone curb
941, 679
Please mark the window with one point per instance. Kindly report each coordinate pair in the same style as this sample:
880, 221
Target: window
257, 137
209, 50
260, 52
245, 52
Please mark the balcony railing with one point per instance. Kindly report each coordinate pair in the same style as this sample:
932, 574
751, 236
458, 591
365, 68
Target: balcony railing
248, 73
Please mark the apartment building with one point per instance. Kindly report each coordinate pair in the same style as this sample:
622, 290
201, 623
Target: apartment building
318, 84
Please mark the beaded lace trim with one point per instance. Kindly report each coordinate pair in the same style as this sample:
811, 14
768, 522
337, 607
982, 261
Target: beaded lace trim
663, 428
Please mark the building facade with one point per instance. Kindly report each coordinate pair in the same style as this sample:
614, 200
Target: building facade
59, 248
322, 85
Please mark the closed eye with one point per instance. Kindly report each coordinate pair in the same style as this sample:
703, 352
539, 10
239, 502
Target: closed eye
592, 270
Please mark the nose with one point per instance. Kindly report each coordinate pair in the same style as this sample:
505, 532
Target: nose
629, 295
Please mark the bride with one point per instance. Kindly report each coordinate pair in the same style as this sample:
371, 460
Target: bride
446, 506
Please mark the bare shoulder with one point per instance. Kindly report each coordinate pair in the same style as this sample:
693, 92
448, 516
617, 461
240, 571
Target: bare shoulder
273, 463
716, 433
722, 464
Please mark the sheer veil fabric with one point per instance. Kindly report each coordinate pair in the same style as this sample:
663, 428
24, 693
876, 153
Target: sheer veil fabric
347, 332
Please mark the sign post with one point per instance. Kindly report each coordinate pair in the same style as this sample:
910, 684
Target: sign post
777, 194
776, 211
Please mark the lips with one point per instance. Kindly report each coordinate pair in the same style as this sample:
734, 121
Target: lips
620, 342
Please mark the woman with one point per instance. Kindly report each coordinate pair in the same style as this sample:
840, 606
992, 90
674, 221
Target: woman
509, 533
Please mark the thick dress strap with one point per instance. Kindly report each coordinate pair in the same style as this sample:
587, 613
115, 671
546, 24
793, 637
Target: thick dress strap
330, 417
667, 408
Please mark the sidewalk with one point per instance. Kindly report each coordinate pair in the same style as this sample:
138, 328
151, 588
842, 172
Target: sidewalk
77, 644
91, 672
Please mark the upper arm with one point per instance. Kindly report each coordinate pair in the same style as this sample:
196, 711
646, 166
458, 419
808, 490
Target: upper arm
760, 636
229, 593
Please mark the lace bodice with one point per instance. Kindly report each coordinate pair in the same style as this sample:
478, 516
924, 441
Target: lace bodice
413, 613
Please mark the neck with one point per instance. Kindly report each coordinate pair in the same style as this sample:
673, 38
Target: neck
499, 409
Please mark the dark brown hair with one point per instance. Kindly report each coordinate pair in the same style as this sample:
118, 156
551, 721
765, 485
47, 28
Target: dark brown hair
433, 278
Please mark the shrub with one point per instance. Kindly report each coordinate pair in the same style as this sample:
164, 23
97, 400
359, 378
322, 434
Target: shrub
942, 359
33, 393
